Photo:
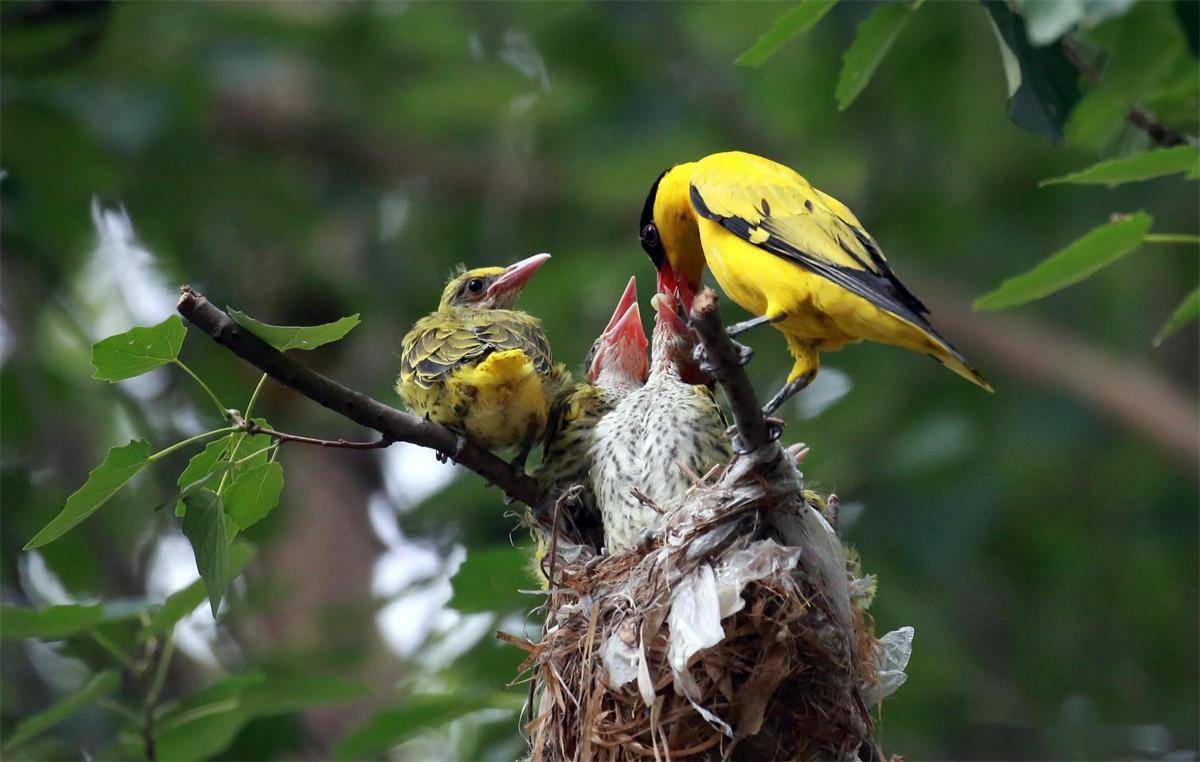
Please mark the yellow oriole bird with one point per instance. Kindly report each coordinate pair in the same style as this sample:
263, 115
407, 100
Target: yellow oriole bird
480, 367
785, 251
657, 439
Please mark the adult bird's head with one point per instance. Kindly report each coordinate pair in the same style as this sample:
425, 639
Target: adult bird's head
486, 288
669, 234
619, 354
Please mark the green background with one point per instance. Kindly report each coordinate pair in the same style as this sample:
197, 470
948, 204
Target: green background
304, 162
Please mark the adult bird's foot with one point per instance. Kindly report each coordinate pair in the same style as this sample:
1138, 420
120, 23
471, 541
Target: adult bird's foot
700, 355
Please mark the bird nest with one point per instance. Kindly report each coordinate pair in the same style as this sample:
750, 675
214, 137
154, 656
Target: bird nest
737, 631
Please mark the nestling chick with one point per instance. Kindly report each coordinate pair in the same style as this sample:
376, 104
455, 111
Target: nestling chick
480, 367
658, 437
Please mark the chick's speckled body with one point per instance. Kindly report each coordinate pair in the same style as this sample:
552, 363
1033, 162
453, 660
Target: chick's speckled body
480, 367
615, 367
656, 439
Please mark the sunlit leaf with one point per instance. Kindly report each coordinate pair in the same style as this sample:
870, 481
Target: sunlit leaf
1048, 20
798, 20
1127, 169
1186, 312
254, 493
489, 579
1043, 87
204, 525
101, 684
119, 466
138, 350
285, 337
875, 37
183, 602
391, 727
1100, 247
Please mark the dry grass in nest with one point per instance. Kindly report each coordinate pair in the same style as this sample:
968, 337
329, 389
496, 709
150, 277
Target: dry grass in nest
790, 673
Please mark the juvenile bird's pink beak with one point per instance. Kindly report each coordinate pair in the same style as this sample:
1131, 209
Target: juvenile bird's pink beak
667, 309
516, 275
627, 298
623, 347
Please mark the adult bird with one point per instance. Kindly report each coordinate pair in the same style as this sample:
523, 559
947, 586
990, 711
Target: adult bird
480, 367
792, 255
615, 367
657, 439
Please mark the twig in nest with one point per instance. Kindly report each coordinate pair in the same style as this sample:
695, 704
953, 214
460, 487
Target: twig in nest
393, 424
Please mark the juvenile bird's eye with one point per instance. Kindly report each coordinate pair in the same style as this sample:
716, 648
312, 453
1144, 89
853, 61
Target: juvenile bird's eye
650, 235
475, 285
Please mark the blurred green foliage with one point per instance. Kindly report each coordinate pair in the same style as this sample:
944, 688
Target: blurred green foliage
303, 162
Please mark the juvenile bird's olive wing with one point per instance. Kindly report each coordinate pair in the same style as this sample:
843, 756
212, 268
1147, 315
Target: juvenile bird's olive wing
435, 348
511, 329
776, 209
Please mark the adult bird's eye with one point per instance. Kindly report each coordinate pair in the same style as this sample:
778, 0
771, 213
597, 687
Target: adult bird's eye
650, 235
475, 285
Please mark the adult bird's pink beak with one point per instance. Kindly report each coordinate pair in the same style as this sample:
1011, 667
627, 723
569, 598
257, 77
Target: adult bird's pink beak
516, 275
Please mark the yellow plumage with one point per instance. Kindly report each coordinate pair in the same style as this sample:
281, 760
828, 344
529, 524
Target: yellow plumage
786, 251
480, 368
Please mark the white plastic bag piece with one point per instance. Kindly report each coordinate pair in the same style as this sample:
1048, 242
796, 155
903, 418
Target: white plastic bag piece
758, 561
895, 649
621, 659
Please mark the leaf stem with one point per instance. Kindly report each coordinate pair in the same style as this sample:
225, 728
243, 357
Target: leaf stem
184, 443
115, 652
120, 709
211, 394
254, 396
1171, 238
160, 673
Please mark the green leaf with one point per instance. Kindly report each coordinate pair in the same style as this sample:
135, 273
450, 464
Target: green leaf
49, 623
1100, 247
138, 350
1128, 169
283, 694
119, 466
254, 493
1144, 47
204, 525
203, 462
285, 337
1186, 312
875, 37
202, 732
796, 21
183, 602
489, 579
1043, 85
101, 684
392, 727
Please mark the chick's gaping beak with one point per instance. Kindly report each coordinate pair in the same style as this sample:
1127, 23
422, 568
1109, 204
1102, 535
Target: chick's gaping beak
516, 275
623, 347
670, 283
667, 308
627, 298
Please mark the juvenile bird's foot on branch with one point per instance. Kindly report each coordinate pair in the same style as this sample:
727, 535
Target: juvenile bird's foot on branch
460, 443
774, 432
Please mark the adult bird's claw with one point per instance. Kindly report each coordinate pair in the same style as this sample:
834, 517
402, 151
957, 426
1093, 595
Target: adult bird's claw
744, 353
700, 355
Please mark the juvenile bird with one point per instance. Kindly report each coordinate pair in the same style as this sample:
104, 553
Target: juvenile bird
658, 438
480, 367
615, 366
785, 251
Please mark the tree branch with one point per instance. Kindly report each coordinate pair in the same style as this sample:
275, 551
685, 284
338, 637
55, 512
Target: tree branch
728, 370
393, 424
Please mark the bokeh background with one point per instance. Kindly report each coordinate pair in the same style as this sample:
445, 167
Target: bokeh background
303, 162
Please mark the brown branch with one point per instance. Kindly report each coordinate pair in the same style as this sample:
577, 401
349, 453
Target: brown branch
250, 427
727, 369
393, 424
